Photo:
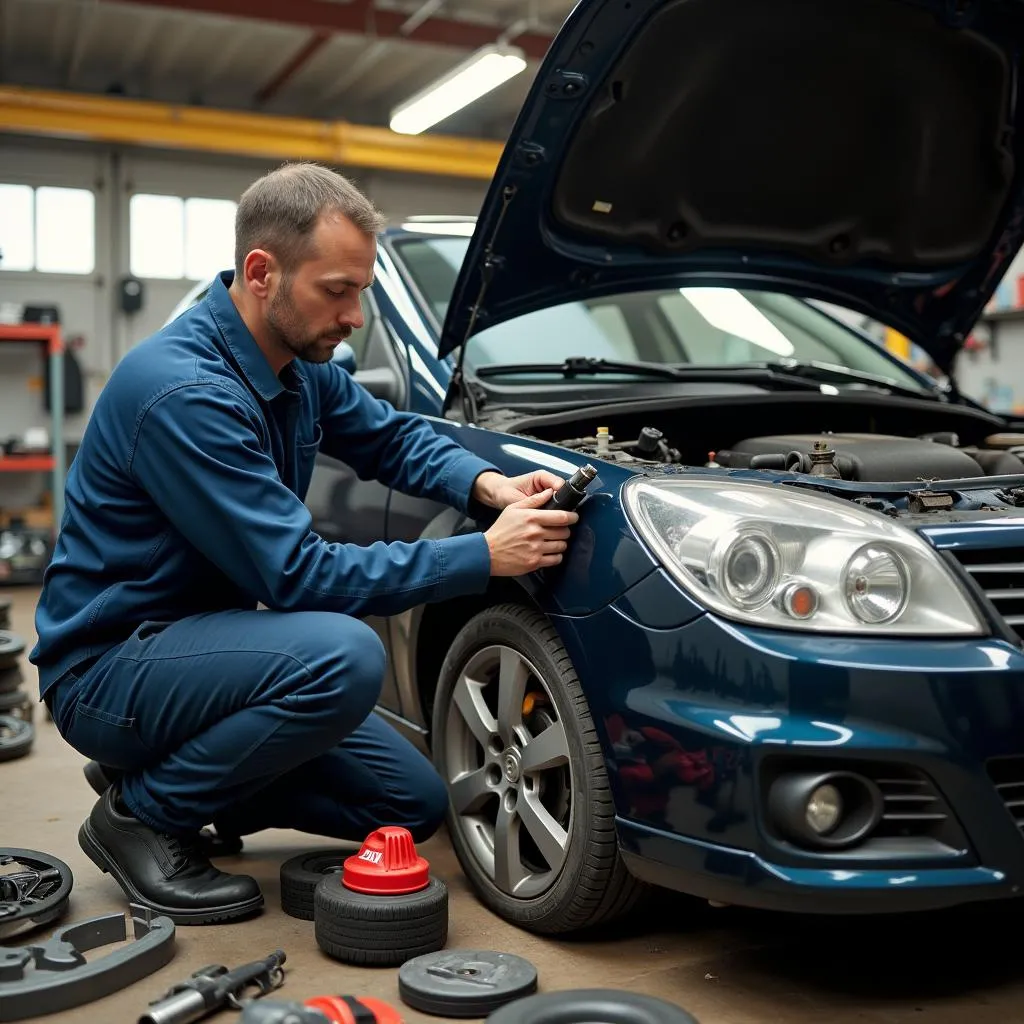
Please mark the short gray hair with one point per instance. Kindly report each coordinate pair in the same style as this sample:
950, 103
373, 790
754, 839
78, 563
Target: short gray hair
279, 211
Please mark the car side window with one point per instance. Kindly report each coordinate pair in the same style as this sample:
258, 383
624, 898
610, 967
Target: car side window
358, 339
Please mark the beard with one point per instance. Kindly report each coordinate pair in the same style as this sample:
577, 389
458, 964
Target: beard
284, 319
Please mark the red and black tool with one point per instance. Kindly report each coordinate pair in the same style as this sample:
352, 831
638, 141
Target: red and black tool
322, 1010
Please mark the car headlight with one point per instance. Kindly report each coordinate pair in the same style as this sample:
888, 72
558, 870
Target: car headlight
789, 558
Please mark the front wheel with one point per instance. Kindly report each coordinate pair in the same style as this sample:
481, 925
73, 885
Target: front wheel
531, 814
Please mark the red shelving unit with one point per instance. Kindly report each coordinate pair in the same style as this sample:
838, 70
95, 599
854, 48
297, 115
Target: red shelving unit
51, 338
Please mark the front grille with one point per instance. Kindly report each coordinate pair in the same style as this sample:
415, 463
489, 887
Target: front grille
1000, 574
912, 806
1008, 775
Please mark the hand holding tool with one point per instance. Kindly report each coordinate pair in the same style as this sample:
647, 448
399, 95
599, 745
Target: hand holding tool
574, 490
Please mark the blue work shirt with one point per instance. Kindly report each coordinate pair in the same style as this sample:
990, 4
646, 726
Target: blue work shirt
187, 492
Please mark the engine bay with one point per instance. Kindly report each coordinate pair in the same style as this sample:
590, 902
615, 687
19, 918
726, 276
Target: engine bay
897, 454
863, 457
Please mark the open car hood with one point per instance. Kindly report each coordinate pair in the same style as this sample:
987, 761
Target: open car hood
863, 152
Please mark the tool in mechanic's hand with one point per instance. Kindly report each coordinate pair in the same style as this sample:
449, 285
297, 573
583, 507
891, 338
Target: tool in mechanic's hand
214, 987
574, 490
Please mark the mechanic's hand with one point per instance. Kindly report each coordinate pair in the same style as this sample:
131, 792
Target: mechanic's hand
526, 537
500, 491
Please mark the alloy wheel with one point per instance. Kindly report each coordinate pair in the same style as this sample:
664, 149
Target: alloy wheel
509, 772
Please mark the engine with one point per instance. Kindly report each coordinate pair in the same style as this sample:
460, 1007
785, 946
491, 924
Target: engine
874, 457
878, 458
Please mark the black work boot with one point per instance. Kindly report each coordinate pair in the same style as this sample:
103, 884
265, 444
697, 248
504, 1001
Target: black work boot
101, 777
169, 874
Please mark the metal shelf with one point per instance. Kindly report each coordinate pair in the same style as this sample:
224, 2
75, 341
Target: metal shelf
49, 335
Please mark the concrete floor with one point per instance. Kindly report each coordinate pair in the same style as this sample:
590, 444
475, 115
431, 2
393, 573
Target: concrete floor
725, 966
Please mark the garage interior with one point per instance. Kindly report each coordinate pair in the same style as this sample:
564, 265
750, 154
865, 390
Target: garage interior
128, 129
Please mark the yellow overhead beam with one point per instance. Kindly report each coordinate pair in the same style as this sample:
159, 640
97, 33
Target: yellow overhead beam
142, 123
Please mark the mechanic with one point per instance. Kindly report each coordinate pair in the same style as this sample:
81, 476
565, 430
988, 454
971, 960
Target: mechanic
185, 513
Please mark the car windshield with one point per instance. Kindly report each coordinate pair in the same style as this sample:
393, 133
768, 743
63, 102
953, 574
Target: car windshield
674, 326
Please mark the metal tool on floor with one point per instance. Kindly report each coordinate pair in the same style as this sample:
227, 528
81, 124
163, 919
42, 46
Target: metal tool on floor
214, 987
54, 975
465, 982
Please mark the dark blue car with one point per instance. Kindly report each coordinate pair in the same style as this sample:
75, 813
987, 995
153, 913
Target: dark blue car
782, 664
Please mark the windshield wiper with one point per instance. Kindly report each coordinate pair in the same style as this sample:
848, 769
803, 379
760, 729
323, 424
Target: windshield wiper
814, 370
764, 376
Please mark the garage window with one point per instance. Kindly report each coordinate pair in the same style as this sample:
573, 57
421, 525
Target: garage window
48, 229
174, 238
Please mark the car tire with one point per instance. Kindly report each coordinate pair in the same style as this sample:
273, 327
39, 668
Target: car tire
569, 805
379, 931
12, 647
579, 1006
11, 678
301, 874
16, 738
18, 704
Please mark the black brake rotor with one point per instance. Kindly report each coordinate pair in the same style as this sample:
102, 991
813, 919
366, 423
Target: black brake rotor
34, 893
12, 647
465, 982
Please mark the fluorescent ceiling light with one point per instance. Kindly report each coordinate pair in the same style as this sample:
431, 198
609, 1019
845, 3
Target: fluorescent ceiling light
485, 70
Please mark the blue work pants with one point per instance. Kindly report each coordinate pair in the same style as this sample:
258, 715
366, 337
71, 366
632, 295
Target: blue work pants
251, 720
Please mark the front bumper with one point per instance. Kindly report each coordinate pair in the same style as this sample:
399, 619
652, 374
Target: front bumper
698, 715
726, 875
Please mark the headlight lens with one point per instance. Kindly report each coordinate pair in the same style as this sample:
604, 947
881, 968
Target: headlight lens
791, 558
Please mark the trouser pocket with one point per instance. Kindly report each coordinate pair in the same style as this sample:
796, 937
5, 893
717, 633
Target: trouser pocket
108, 738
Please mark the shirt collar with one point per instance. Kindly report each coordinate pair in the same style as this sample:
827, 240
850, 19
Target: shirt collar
243, 345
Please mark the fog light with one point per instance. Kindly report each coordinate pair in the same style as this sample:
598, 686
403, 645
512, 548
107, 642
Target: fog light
824, 809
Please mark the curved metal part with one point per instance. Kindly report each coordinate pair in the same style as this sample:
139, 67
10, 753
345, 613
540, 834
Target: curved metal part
52, 976
33, 897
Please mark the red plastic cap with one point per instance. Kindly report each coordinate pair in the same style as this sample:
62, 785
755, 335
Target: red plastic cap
387, 864
337, 1011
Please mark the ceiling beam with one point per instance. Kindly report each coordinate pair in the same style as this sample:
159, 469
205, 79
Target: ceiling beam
301, 58
40, 112
354, 19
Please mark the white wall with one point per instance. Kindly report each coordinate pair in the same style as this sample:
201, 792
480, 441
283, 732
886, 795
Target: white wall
88, 303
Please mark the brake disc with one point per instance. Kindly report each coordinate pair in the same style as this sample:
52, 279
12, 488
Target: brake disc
34, 896
16, 738
54, 975
12, 647
583, 1006
464, 982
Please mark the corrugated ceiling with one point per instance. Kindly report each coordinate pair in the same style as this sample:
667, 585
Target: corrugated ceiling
214, 59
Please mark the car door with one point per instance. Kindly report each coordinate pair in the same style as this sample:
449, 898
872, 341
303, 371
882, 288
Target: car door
345, 509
